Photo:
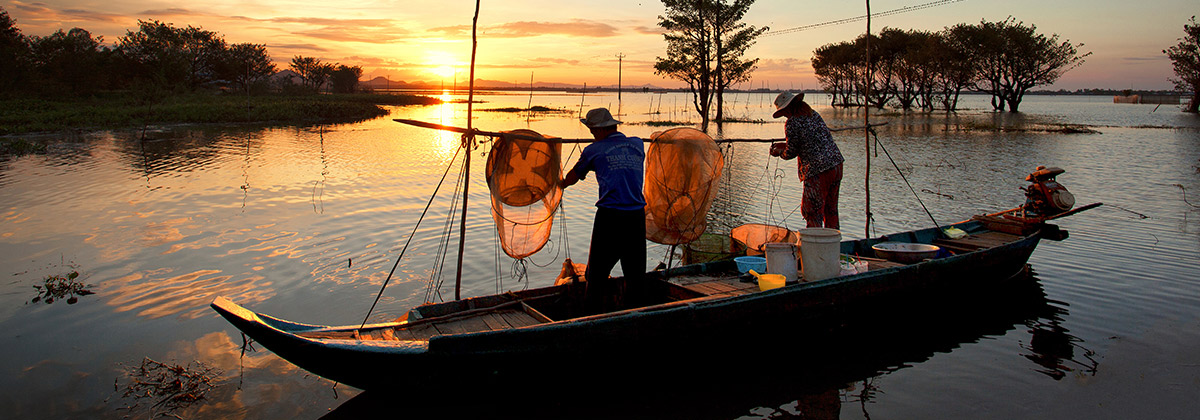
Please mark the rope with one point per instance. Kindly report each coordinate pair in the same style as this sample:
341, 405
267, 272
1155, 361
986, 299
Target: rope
435, 278
860, 18
910, 187
410, 237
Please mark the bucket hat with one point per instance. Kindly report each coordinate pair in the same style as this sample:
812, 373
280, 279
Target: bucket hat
783, 100
599, 117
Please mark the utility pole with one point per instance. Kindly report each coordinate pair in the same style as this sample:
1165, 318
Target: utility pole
620, 57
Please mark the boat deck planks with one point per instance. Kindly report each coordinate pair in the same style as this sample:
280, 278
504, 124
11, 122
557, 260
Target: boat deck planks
499, 319
717, 286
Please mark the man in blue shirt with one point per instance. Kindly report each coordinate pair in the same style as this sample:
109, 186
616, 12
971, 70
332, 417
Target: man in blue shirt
619, 231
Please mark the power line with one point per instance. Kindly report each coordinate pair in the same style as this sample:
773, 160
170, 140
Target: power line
905, 9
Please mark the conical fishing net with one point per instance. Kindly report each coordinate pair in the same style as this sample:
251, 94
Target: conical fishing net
754, 236
683, 166
523, 176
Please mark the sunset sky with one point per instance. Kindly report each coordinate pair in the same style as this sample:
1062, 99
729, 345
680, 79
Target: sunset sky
576, 41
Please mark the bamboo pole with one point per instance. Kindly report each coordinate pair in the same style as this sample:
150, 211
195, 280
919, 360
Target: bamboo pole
468, 141
867, 129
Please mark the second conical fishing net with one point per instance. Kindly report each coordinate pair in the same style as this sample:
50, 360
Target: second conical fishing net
523, 176
683, 166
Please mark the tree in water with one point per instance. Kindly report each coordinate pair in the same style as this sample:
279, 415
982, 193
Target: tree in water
1011, 58
705, 44
1186, 57
733, 37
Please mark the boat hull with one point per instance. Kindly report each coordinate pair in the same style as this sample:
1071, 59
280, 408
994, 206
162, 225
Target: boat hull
726, 322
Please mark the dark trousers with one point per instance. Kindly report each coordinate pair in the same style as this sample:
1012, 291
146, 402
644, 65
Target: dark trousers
617, 235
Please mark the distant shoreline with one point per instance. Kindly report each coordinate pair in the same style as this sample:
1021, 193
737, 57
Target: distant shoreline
23, 116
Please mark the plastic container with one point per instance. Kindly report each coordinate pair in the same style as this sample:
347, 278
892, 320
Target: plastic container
747, 263
770, 281
819, 249
781, 259
905, 253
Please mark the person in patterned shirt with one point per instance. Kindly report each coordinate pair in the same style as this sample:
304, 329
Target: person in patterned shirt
819, 160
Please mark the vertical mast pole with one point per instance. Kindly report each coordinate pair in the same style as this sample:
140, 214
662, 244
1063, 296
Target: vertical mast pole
867, 126
620, 59
468, 141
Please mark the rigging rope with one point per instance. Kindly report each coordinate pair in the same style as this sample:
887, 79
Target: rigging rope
435, 277
904, 9
910, 187
410, 237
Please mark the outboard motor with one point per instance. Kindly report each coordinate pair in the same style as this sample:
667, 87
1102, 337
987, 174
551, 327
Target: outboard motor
1044, 196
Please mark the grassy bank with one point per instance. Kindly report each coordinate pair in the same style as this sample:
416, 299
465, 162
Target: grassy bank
117, 111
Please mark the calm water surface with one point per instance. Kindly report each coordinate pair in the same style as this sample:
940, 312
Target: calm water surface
304, 223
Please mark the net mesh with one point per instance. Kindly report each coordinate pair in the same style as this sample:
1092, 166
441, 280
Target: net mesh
683, 166
523, 176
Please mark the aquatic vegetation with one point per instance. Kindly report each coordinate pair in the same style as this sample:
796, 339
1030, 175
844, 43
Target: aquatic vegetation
662, 123
18, 146
743, 120
128, 111
169, 387
537, 108
58, 287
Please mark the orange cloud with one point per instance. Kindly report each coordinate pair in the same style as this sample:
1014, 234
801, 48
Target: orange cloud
40, 11
524, 29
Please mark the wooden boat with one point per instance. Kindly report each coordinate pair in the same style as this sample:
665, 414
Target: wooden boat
481, 336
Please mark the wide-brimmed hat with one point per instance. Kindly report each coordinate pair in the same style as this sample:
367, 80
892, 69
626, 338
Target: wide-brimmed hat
784, 99
599, 117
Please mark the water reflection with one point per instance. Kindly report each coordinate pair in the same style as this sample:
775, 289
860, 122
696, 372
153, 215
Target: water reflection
1054, 349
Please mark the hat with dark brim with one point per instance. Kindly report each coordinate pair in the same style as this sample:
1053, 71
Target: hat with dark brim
783, 100
599, 118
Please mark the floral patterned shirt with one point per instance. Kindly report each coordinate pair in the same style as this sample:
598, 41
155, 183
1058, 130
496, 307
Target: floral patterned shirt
809, 139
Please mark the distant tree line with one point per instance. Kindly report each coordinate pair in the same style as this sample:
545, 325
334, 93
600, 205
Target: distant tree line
930, 70
158, 56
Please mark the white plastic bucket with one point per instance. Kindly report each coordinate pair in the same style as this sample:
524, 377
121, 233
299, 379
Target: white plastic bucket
781, 259
819, 249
